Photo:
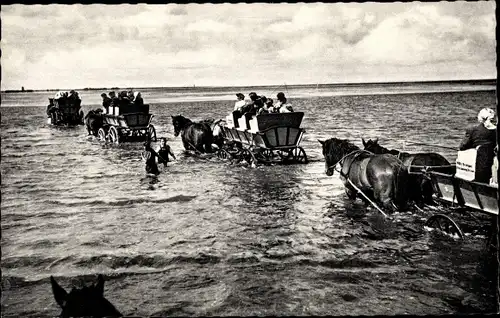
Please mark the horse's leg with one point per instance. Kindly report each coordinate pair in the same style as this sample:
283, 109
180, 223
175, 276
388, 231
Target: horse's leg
208, 147
382, 192
351, 192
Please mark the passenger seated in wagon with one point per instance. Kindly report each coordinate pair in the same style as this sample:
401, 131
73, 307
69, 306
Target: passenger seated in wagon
282, 105
114, 99
106, 102
482, 134
74, 99
242, 107
138, 99
475, 158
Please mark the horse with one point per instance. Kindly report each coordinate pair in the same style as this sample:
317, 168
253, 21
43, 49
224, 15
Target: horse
85, 301
93, 121
419, 183
195, 136
381, 177
216, 128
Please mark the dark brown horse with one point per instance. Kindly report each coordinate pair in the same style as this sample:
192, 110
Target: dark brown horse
93, 121
195, 136
420, 187
88, 301
381, 177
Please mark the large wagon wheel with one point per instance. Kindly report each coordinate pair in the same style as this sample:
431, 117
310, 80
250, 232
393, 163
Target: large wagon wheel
247, 155
101, 134
444, 224
152, 133
265, 155
113, 135
299, 155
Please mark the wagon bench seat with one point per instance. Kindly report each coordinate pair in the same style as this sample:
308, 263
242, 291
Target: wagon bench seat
265, 121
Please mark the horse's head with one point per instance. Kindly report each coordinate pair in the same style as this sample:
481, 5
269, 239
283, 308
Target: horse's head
179, 123
86, 301
373, 146
333, 151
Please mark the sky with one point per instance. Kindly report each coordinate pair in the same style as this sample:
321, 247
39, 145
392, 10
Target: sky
78, 46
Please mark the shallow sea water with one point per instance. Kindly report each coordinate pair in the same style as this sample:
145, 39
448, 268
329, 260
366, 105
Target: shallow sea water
213, 238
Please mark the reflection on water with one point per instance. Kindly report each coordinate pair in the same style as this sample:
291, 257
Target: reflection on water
207, 237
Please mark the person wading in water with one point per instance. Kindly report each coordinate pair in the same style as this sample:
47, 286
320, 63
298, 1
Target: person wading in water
164, 151
149, 156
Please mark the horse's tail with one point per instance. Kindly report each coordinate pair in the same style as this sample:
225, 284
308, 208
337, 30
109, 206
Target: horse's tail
400, 184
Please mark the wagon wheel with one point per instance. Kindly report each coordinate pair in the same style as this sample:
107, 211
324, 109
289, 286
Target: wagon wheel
265, 155
152, 133
444, 224
224, 154
299, 155
247, 155
113, 135
101, 134
283, 154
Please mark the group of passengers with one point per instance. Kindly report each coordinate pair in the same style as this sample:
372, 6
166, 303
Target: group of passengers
62, 99
123, 98
257, 105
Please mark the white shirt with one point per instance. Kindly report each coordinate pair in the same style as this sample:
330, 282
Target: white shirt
239, 104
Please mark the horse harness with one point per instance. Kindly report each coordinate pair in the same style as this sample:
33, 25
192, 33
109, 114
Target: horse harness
357, 153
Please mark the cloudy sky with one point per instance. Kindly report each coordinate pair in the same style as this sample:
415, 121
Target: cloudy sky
76, 46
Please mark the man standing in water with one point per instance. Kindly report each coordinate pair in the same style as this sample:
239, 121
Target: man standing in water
149, 156
164, 151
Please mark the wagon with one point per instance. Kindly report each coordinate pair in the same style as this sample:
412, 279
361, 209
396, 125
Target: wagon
127, 123
468, 187
265, 138
64, 112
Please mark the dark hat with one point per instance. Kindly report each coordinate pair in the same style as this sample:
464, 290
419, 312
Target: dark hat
103, 94
252, 94
280, 95
240, 95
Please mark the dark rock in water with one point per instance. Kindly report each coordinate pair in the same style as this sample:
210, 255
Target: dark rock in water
349, 297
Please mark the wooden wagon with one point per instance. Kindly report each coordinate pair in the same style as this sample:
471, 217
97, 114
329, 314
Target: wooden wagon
265, 138
471, 185
127, 123
64, 112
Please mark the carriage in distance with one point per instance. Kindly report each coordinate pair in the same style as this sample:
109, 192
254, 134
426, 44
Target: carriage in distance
64, 111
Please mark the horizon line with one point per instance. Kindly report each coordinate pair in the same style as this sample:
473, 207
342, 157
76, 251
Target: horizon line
237, 86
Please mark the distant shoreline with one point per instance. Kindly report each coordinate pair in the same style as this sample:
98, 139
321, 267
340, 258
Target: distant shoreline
472, 81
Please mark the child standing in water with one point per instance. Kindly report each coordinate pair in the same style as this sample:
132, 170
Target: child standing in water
164, 151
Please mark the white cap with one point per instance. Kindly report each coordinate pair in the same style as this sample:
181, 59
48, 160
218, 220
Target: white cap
485, 114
